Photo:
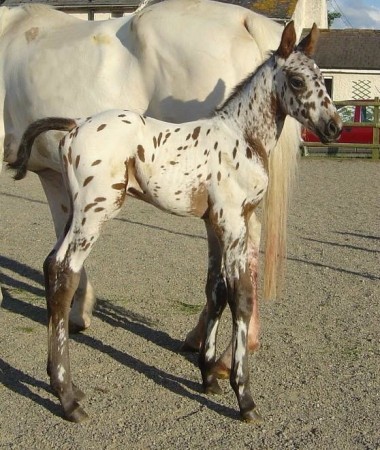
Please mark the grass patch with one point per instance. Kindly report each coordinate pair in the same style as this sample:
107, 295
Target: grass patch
26, 329
189, 308
21, 293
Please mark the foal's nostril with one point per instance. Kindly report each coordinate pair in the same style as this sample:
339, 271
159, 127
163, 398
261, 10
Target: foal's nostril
333, 129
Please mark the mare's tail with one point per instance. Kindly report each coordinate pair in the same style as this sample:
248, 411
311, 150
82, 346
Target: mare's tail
282, 168
29, 136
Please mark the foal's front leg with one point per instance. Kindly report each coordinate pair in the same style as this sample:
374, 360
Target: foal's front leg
239, 282
223, 364
193, 340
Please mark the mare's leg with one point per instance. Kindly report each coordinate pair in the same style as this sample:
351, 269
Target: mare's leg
84, 298
216, 292
62, 270
193, 340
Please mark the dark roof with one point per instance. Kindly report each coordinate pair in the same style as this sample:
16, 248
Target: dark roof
276, 9
79, 4
356, 49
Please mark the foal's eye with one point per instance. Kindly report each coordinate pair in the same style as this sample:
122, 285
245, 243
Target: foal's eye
297, 82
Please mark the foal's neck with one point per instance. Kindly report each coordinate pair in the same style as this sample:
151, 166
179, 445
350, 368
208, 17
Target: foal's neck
254, 109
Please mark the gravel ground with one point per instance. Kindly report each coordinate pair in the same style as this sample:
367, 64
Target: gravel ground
315, 378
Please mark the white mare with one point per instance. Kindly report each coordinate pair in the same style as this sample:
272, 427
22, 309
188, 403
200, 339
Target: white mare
174, 61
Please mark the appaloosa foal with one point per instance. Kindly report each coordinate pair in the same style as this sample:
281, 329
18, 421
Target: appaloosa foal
215, 169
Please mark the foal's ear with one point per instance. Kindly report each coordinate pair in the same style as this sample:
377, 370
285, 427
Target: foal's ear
309, 43
288, 41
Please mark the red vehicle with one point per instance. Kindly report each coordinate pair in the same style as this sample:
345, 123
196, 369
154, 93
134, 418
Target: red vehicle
351, 134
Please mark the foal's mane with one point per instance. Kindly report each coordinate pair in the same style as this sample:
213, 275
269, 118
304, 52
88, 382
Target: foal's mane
238, 88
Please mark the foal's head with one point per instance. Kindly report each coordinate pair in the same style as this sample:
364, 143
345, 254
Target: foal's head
300, 87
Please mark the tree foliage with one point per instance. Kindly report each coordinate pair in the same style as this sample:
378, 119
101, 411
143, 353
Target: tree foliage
331, 16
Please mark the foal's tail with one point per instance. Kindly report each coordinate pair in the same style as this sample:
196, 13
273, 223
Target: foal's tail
29, 136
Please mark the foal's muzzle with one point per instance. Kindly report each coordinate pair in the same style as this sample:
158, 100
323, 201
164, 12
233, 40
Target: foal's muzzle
331, 131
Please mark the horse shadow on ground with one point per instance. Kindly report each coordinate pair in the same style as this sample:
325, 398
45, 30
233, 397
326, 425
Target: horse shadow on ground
116, 316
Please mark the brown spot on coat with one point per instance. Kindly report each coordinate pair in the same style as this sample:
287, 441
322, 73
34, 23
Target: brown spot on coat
141, 153
118, 186
101, 127
87, 180
257, 147
32, 34
89, 206
196, 133
95, 163
234, 244
65, 163
199, 201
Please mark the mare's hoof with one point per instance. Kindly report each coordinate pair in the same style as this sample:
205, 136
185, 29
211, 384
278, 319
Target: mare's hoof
252, 416
221, 371
255, 347
213, 388
77, 415
74, 328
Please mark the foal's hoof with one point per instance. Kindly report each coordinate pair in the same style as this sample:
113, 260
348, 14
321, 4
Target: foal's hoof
77, 415
252, 416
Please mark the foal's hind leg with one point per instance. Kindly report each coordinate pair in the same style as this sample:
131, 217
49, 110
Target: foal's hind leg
216, 292
84, 297
60, 284
62, 274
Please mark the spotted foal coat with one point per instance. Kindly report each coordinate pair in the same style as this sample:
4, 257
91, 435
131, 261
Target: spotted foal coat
215, 169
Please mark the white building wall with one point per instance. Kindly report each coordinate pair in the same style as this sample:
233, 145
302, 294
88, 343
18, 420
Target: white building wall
97, 16
309, 11
353, 85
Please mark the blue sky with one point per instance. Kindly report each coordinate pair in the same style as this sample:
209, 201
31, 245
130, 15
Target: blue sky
357, 13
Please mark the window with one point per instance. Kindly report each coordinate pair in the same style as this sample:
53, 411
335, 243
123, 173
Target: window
329, 86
